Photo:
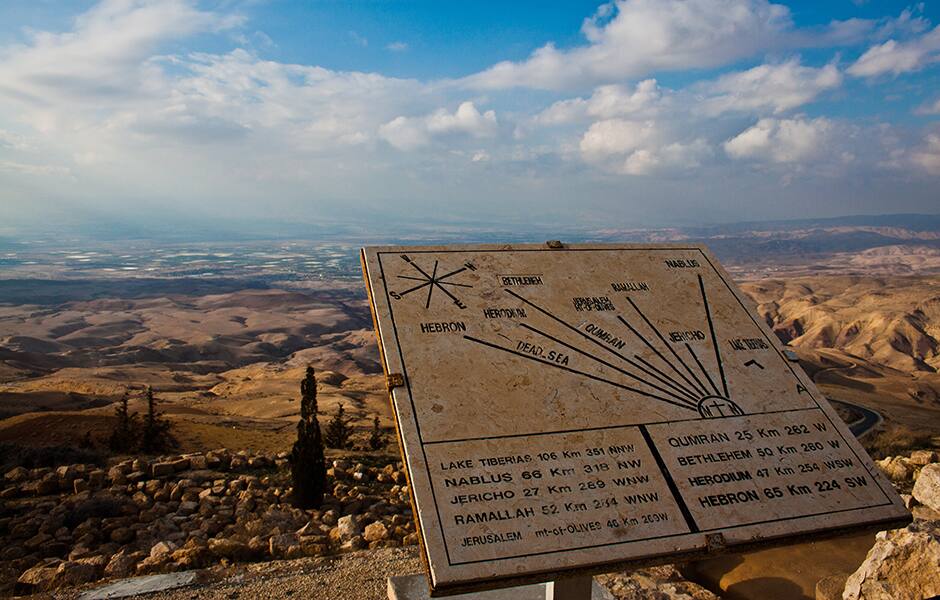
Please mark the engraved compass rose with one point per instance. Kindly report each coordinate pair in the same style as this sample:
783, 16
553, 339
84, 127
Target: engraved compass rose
432, 281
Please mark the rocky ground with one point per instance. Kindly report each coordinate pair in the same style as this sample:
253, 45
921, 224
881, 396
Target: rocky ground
228, 516
79, 523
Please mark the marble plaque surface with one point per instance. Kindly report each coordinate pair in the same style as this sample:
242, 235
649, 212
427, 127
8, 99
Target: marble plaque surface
568, 408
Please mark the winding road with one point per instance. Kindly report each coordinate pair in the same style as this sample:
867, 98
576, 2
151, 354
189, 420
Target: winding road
870, 418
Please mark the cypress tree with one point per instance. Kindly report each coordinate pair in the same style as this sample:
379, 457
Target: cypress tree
338, 431
307, 464
156, 430
377, 438
122, 436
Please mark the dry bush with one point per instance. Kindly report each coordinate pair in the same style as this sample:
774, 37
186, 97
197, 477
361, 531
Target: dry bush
895, 440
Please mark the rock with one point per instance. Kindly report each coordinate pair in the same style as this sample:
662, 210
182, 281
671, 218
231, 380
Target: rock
47, 485
122, 535
329, 517
12, 553
97, 478
80, 485
66, 473
162, 469
925, 513
903, 564
410, 540
76, 572
280, 545
122, 564
375, 532
310, 528
897, 468
924, 457
927, 488
346, 528
193, 555
16, 475
230, 549
38, 578
117, 476
354, 543
162, 548
188, 508
40, 539
258, 546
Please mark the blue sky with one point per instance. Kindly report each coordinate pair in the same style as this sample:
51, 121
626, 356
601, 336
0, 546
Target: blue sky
632, 113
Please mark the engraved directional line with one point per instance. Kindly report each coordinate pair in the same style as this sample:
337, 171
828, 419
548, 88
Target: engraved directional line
704, 370
432, 282
660, 355
607, 364
711, 329
577, 372
596, 343
701, 386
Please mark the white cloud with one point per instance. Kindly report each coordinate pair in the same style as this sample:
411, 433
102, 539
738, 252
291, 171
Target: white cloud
615, 136
397, 46
640, 148
927, 156
773, 87
893, 57
630, 38
105, 56
782, 140
606, 102
676, 156
408, 133
32, 169
930, 108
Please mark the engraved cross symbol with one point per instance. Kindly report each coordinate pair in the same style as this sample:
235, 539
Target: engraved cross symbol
433, 281
716, 406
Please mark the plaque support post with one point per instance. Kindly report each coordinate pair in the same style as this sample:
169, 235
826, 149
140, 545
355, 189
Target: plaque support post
570, 588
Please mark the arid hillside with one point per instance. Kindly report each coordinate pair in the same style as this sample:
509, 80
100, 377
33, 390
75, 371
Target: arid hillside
870, 341
894, 321
226, 365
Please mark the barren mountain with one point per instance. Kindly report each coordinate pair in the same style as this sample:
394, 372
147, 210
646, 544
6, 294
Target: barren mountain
890, 321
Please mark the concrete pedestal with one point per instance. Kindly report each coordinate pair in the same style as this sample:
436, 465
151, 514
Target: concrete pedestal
415, 587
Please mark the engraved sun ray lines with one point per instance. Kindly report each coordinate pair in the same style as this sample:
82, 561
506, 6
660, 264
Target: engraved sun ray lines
675, 396
676, 382
698, 384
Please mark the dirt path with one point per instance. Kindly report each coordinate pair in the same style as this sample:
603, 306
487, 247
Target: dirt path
356, 576
362, 576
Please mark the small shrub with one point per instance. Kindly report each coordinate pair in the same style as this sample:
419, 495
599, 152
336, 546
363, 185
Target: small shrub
377, 437
124, 435
156, 429
338, 430
895, 440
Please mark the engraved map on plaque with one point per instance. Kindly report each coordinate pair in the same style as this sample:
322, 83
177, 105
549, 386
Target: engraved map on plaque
565, 408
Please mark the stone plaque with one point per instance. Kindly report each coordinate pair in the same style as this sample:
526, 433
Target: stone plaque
567, 408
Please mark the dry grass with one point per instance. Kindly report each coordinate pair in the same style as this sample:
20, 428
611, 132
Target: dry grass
895, 440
